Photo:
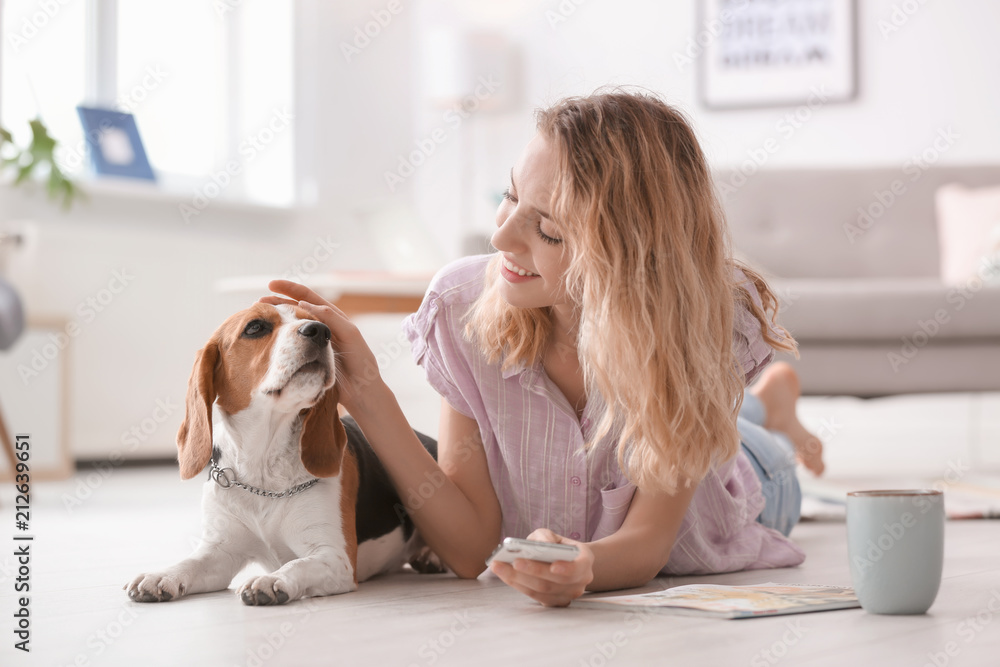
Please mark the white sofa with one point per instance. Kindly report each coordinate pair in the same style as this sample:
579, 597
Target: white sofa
854, 257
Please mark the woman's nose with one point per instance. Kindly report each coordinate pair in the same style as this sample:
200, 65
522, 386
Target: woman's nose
506, 236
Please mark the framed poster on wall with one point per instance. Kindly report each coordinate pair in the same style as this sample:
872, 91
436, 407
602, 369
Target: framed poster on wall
776, 52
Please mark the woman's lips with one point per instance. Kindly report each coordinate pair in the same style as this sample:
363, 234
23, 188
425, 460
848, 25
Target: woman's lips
512, 277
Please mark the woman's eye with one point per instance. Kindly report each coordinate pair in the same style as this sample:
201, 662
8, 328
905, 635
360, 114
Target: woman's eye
545, 237
508, 196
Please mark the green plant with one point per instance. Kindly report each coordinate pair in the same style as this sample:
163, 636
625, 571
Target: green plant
39, 155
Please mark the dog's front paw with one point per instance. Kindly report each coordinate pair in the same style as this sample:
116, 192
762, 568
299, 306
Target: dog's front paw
156, 587
263, 590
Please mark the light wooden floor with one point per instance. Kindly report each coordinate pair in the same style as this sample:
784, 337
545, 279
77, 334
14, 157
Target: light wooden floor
92, 534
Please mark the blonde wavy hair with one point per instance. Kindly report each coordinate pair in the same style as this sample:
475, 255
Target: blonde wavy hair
653, 283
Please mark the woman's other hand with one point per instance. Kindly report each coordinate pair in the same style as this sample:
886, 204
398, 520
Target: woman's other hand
552, 584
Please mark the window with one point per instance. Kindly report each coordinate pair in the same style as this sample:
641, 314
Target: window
210, 85
42, 68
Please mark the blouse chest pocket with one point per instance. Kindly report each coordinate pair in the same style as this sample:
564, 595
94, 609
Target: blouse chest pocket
614, 507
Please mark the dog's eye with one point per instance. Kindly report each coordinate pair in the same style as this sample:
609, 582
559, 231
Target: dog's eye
256, 329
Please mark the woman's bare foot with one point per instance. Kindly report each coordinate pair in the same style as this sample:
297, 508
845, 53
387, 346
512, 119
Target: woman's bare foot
778, 389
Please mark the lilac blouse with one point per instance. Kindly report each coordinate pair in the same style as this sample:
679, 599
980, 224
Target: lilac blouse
534, 444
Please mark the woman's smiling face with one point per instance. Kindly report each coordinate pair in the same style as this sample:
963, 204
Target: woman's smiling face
534, 255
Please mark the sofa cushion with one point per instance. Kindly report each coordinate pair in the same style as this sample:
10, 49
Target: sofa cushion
968, 230
875, 309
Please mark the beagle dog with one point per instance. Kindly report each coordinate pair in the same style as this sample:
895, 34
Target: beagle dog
292, 486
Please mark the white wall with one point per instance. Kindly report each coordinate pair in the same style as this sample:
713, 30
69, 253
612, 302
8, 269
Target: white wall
358, 117
938, 69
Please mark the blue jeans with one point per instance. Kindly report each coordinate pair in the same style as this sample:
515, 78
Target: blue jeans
773, 458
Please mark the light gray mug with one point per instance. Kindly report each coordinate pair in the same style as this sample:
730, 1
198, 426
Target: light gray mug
895, 545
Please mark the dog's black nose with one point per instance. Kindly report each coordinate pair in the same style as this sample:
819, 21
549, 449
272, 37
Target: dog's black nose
317, 331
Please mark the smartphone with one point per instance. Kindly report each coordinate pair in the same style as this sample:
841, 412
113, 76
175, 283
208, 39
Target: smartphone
548, 552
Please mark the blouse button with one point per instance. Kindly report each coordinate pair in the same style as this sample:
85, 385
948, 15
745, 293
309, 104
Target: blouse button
585, 423
574, 535
575, 481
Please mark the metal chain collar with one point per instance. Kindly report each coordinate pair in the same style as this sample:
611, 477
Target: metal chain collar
226, 478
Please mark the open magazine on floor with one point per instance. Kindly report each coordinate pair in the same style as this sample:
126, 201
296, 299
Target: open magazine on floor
717, 601
966, 495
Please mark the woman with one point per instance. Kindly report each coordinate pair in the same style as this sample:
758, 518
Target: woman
593, 369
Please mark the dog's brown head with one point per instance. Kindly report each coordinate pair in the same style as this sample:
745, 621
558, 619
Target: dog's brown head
266, 357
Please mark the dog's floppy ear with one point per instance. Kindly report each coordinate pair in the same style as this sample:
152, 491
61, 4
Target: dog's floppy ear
194, 438
323, 436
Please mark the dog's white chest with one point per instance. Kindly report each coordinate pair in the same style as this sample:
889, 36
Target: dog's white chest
277, 530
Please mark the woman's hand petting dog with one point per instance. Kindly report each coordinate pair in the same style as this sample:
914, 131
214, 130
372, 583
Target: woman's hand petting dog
356, 361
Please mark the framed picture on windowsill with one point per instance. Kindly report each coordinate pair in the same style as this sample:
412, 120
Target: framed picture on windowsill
114, 143
769, 54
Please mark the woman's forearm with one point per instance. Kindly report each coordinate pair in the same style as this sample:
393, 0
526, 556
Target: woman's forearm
461, 533
628, 559
637, 552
